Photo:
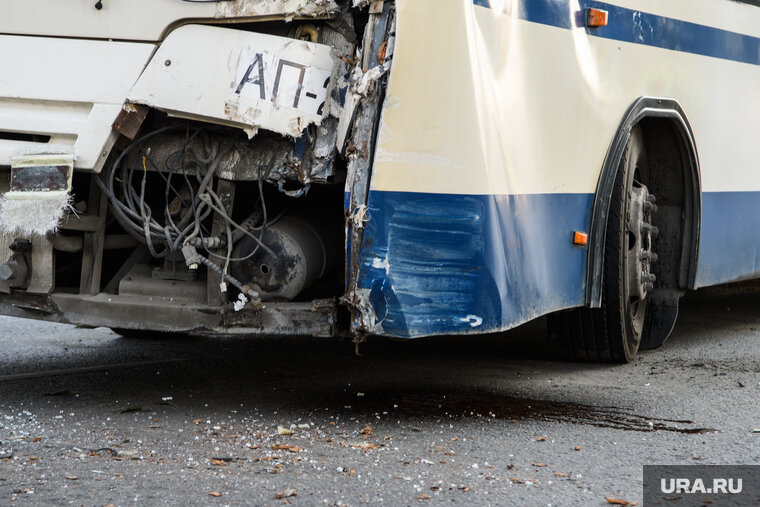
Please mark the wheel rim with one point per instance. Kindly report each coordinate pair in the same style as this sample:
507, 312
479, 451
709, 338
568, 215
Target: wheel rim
639, 280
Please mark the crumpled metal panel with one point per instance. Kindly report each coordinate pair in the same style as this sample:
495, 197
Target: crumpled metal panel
459, 264
239, 78
460, 235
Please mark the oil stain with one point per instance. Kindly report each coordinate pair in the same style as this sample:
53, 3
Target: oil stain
500, 406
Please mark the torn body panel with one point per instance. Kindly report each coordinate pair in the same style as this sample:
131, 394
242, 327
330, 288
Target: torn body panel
219, 206
239, 78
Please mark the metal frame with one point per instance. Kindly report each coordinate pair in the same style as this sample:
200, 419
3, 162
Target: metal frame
314, 318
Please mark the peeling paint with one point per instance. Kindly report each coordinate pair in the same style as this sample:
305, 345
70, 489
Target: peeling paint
277, 84
288, 8
472, 320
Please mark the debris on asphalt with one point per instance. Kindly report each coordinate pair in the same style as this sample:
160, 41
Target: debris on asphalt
215, 494
283, 447
286, 494
618, 501
284, 431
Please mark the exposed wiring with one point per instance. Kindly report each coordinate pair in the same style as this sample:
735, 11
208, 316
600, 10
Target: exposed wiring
135, 215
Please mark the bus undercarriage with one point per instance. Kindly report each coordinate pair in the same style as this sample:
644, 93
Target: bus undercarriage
219, 203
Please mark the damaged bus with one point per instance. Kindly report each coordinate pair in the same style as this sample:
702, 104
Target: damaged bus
398, 168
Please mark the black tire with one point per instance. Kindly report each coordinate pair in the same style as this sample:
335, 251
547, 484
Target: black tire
613, 332
143, 334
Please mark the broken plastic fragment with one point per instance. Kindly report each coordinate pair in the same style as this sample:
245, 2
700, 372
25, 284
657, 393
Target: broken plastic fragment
240, 303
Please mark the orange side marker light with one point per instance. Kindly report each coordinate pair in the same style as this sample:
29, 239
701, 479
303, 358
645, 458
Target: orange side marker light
580, 238
596, 18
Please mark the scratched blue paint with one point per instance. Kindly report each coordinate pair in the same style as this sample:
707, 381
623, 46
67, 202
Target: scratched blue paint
439, 263
454, 264
730, 242
639, 27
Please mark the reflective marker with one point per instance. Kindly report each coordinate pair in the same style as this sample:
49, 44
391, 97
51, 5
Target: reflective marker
580, 238
596, 18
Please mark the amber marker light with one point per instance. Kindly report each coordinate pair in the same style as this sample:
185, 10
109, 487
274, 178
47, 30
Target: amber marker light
596, 18
580, 238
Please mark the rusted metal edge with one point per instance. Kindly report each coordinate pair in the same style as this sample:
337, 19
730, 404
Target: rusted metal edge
130, 119
314, 318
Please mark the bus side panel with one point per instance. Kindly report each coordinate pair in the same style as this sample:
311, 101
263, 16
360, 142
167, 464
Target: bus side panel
496, 124
456, 264
730, 245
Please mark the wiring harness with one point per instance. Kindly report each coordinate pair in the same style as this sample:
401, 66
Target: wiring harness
193, 170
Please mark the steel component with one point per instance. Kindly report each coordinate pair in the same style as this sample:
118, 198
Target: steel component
299, 257
640, 233
141, 281
315, 318
15, 273
268, 156
130, 119
73, 244
362, 112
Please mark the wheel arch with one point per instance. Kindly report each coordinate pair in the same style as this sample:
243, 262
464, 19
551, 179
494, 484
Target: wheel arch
653, 114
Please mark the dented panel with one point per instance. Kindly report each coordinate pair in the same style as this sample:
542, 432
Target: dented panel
239, 78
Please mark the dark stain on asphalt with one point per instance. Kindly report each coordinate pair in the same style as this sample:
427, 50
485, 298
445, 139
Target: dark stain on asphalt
501, 406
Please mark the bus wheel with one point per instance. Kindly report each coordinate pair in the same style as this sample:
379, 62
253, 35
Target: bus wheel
613, 332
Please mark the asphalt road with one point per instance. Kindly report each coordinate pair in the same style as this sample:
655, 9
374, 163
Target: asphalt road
88, 417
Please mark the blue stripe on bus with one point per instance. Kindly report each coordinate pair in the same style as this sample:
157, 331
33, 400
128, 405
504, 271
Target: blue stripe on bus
730, 239
457, 264
638, 27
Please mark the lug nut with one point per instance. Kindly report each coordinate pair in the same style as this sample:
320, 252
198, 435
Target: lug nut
651, 229
647, 255
648, 277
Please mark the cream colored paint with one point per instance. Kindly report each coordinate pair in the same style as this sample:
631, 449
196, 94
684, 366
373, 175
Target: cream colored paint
197, 70
71, 90
147, 20
517, 107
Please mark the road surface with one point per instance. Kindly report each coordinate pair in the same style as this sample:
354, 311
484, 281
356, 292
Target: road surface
88, 417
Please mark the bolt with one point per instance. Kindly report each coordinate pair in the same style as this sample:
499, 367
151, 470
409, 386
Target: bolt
646, 227
648, 277
647, 255
168, 62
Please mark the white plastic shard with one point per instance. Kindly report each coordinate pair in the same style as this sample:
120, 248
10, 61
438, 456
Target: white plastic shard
39, 196
244, 79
